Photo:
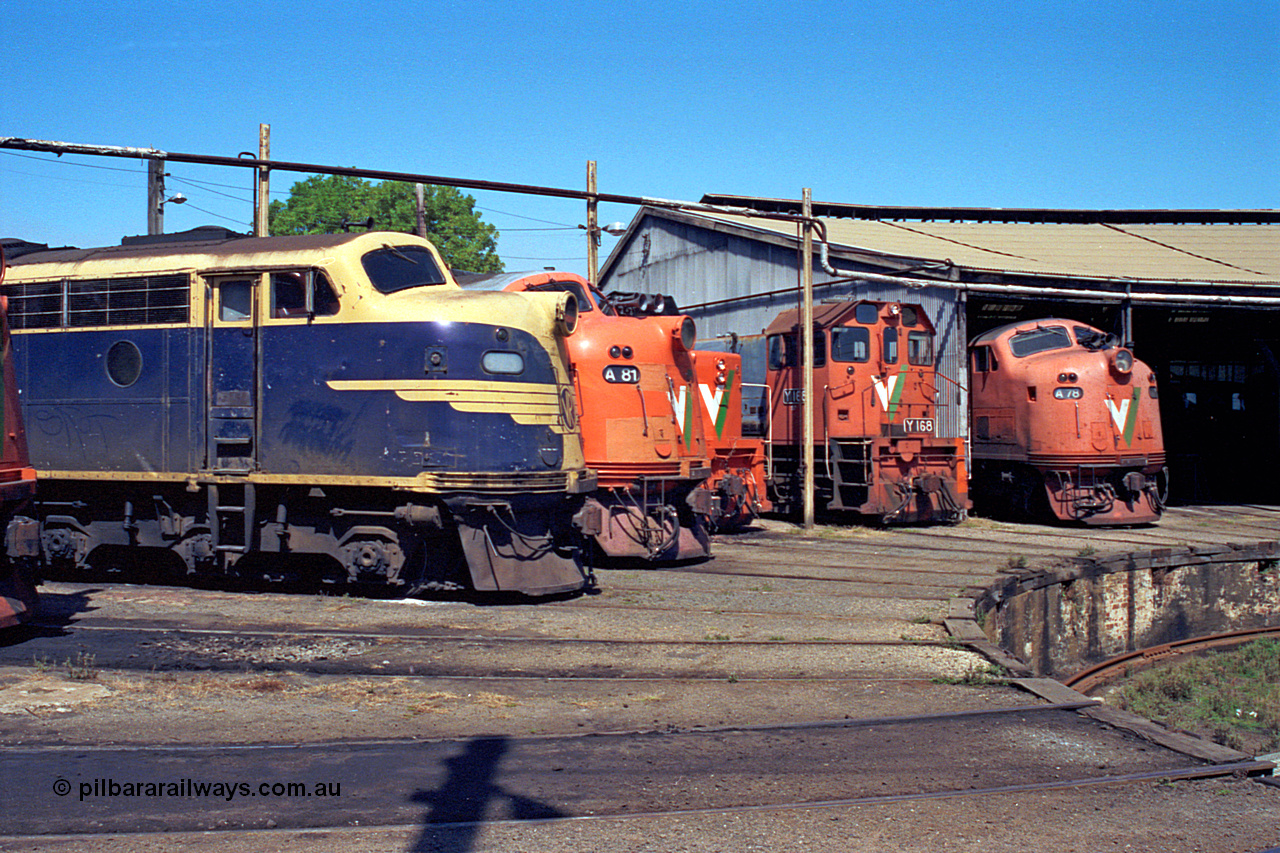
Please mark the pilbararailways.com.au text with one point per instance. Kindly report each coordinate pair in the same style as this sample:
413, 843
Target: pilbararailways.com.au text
191, 788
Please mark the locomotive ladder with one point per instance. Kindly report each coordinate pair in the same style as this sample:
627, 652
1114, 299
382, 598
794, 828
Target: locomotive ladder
849, 466
220, 512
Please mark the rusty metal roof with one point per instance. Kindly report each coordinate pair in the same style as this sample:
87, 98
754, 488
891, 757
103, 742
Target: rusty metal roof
1165, 252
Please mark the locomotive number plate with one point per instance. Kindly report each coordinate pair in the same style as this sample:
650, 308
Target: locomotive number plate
1068, 393
918, 425
621, 373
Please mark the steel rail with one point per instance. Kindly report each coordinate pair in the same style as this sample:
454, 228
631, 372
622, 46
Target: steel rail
1181, 773
260, 633
1087, 679
666, 731
1192, 772
1172, 774
844, 567
721, 611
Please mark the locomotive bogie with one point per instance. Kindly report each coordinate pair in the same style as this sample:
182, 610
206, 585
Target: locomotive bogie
1066, 424
349, 366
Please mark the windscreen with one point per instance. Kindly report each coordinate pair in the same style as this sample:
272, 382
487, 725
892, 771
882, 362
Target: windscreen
1039, 340
395, 268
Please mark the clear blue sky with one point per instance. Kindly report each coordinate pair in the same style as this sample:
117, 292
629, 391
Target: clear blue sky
1081, 104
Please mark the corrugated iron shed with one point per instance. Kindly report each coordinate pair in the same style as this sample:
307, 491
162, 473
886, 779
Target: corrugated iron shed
1247, 254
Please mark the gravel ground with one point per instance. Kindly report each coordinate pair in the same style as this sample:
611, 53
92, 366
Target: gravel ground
720, 650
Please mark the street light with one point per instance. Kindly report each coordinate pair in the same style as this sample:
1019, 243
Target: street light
617, 229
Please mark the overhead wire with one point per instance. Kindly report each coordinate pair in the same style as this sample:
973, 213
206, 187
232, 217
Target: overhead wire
209, 187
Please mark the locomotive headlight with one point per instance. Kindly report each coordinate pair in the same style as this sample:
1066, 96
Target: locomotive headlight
1122, 361
502, 361
720, 364
685, 334
721, 378
566, 314
1067, 377
615, 351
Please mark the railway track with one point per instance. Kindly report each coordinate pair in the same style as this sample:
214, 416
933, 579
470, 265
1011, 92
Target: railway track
444, 784
1107, 671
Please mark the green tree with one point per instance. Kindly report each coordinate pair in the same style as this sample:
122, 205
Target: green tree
320, 204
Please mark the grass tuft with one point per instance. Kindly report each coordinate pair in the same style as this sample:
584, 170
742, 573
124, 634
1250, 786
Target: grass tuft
1232, 697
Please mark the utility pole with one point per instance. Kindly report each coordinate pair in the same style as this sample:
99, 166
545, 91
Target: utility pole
806, 349
155, 196
260, 228
593, 226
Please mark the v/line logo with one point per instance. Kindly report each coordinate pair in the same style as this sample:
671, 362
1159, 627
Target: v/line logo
715, 400
889, 391
1125, 414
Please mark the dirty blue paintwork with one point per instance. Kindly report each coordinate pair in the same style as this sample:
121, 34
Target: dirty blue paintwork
79, 420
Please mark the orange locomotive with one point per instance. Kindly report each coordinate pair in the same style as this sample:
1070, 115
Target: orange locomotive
642, 423
739, 468
1064, 416
875, 417
17, 485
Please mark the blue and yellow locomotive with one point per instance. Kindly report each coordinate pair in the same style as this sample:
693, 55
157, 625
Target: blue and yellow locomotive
336, 399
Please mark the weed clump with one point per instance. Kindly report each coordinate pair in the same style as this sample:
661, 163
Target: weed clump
1232, 697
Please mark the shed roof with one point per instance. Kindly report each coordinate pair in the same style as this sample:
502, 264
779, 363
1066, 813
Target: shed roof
1166, 252
1220, 253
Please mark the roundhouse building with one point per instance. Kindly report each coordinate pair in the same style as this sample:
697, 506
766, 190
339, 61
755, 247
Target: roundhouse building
1197, 292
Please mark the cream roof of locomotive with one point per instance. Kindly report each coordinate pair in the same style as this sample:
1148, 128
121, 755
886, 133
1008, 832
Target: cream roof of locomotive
437, 302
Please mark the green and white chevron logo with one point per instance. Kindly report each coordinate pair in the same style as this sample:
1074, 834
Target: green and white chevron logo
1125, 415
717, 402
890, 392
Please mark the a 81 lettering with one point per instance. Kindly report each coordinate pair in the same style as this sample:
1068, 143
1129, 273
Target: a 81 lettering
622, 373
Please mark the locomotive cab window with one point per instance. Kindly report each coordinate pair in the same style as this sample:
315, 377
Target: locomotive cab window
780, 354
395, 268
1039, 340
984, 360
785, 352
235, 300
850, 343
289, 295
866, 313
890, 341
920, 348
